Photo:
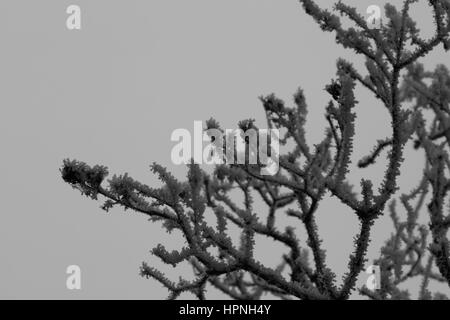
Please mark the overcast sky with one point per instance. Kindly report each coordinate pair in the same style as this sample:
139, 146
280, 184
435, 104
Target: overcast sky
113, 92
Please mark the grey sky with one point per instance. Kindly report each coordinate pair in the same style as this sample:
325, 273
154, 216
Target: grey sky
113, 92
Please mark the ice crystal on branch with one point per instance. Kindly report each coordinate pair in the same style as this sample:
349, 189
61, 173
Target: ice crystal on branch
309, 172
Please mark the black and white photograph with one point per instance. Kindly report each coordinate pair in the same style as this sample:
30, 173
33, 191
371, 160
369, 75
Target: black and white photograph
226, 150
